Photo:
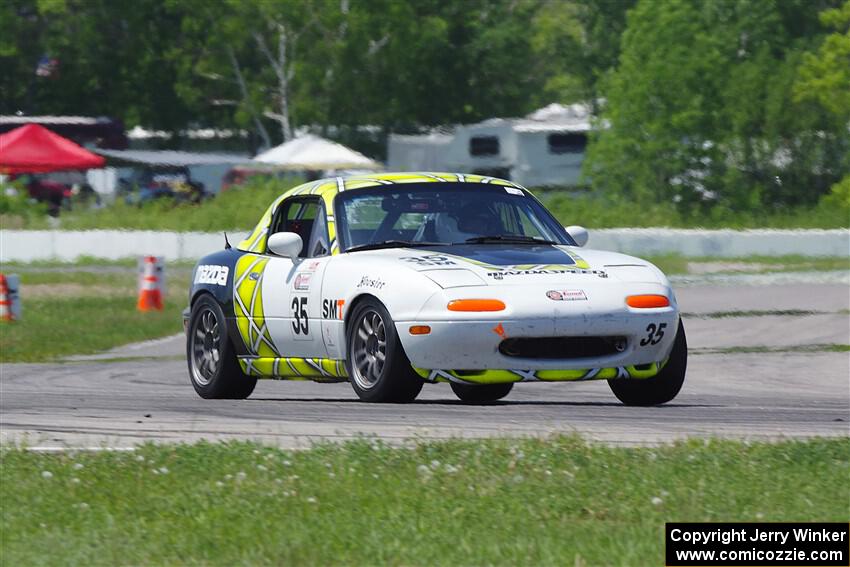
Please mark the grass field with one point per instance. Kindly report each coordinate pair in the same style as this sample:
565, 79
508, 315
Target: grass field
73, 311
240, 208
593, 212
507, 502
237, 209
677, 264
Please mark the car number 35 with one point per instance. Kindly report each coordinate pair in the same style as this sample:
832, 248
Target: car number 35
654, 334
299, 314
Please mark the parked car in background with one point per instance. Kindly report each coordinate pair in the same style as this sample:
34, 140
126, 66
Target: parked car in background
240, 174
81, 192
157, 182
58, 190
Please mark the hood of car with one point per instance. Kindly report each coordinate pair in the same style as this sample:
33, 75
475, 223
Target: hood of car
506, 264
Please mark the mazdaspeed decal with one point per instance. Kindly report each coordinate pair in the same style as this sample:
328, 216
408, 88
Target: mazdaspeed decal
501, 274
211, 274
507, 256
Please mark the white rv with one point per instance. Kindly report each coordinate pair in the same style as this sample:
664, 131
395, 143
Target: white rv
545, 148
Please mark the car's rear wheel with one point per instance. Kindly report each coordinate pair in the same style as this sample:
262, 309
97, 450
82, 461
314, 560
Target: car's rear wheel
377, 366
213, 368
662, 387
481, 393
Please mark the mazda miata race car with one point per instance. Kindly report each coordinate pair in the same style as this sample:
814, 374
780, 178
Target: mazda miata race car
393, 280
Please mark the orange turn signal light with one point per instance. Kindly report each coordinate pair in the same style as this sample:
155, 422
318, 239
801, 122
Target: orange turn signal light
420, 329
476, 305
647, 301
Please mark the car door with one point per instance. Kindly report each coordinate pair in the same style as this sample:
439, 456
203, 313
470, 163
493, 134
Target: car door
292, 287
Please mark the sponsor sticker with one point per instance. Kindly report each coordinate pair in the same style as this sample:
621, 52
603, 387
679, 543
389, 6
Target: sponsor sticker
513, 191
302, 282
374, 283
332, 308
211, 274
429, 260
566, 295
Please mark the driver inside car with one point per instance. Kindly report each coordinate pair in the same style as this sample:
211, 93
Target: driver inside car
470, 221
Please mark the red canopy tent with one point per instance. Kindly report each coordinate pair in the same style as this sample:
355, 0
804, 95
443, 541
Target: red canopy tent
35, 149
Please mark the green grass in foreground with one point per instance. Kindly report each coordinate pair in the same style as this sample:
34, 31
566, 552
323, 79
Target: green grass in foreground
513, 502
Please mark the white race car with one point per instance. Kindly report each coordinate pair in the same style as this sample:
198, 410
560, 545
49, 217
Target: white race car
393, 280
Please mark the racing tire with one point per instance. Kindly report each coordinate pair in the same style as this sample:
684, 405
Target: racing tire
378, 368
662, 387
213, 368
481, 393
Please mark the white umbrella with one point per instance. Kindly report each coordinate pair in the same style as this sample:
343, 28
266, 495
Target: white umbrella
315, 153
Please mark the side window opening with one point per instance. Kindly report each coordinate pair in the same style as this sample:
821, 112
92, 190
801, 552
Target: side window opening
307, 219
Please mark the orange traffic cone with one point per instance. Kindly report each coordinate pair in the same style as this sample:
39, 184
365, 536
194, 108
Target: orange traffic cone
150, 285
5, 302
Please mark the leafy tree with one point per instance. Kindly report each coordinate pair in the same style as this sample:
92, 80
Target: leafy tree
825, 74
115, 57
700, 108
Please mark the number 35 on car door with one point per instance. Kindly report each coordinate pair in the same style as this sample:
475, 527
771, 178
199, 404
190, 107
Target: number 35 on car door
300, 319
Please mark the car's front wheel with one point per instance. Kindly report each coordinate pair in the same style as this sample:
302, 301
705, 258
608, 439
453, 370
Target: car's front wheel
213, 367
662, 387
377, 366
481, 393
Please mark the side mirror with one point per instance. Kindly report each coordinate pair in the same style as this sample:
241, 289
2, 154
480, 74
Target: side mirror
286, 244
579, 234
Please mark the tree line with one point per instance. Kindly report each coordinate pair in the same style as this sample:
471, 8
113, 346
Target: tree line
739, 103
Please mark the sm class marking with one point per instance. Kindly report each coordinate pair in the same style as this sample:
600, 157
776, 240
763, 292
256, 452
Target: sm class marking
332, 308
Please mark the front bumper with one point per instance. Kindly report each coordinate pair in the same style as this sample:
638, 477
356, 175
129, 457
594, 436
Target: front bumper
466, 347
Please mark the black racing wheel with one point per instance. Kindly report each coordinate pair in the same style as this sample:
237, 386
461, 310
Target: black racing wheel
662, 387
481, 393
377, 366
213, 368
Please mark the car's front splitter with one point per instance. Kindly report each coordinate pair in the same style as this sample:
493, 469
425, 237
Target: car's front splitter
642, 371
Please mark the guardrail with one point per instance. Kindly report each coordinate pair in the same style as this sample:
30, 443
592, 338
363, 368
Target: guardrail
68, 245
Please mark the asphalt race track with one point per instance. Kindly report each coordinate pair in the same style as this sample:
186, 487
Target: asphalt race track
779, 385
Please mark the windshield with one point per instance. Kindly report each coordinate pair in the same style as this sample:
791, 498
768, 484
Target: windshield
443, 213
